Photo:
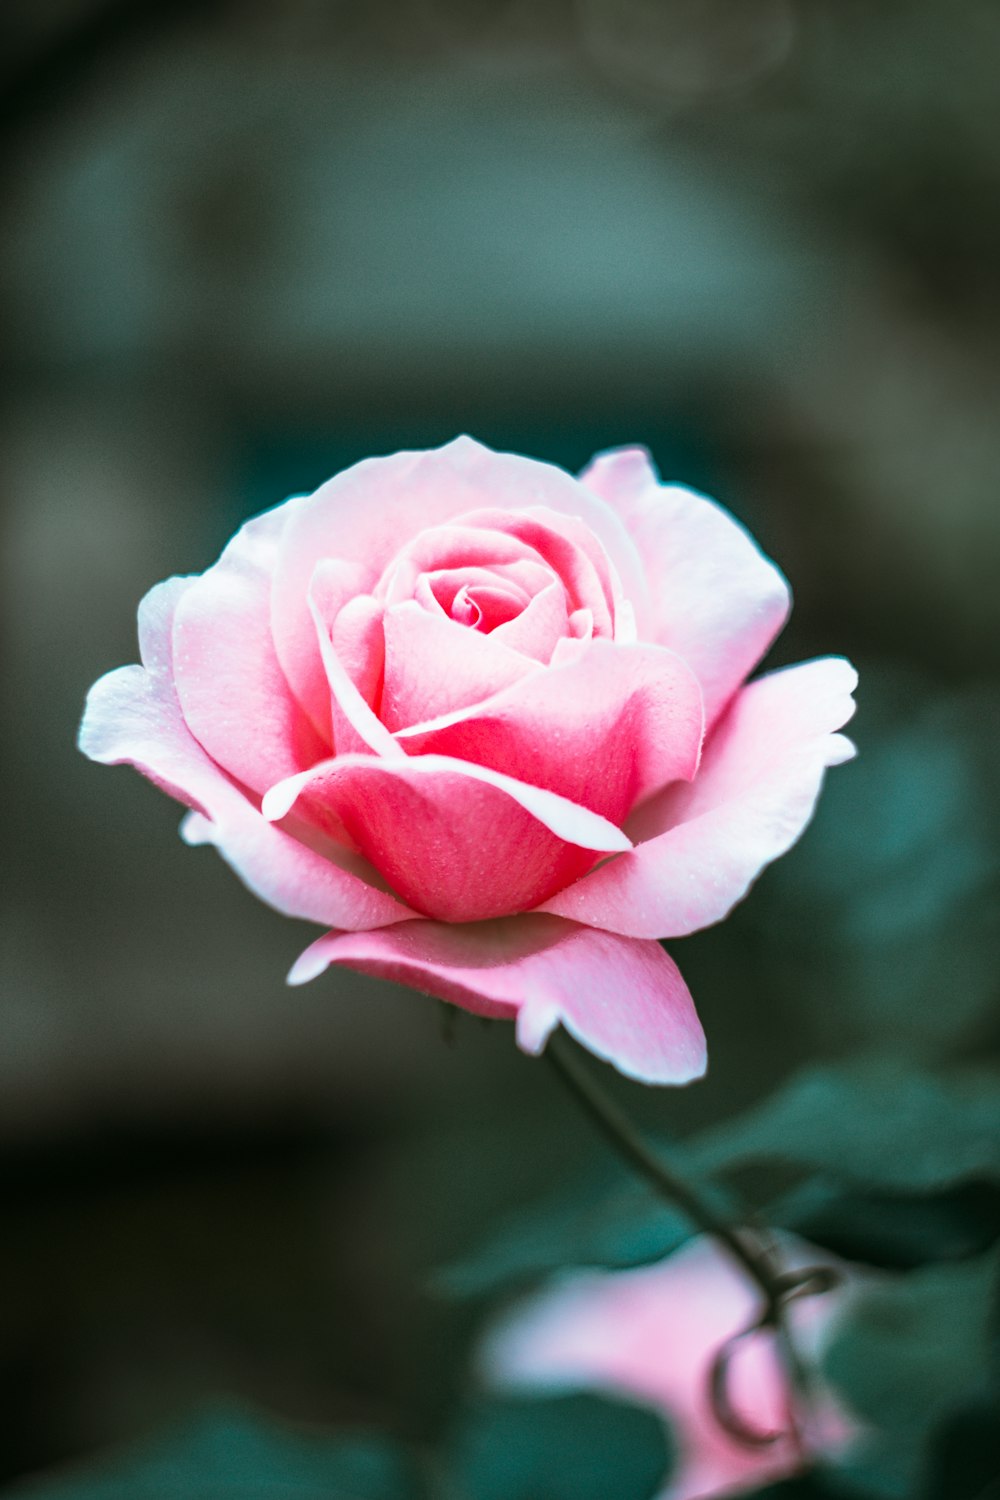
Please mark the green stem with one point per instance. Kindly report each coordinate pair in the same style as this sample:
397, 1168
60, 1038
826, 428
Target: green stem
758, 1258
622, 1134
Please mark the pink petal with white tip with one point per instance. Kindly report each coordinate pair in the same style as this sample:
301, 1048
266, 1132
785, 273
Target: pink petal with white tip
434, 665
133, 716
714, 597
456, 841
623, 1000
700, 847
604, 729
233, 694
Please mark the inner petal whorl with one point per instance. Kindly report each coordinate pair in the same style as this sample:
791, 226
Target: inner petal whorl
483, 606
453, 548
446, 584
532, 576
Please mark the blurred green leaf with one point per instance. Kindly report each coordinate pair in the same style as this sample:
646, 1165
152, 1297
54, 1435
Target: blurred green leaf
615, 1222
907, 1353
894, 1231
575, 1447
867, 1140
624, 1227
881, 928
916, 844
232, 1453
964, 1461
882, 1125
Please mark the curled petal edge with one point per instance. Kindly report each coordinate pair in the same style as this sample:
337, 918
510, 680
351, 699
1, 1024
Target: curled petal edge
133, 716
621, 998
759, 781
567, 820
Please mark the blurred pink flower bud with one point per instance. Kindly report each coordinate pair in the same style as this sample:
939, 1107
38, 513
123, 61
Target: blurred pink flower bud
652, 1334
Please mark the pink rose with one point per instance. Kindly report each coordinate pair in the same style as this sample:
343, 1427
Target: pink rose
489, 724
652, 1335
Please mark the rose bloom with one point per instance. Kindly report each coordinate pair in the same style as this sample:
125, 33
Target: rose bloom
651, 1335
489, 724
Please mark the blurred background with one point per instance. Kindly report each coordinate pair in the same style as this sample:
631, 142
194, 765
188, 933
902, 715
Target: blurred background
244, 245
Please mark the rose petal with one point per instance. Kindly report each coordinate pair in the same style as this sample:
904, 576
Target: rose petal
334, 586
715, 598
603, 729
233, 694
356, 725
754, 794
133, 716
624, 1000
434, 665
486, 606
539, 627
359, 642
362, 514
570, 549
456, 841
461, 547
444, 585
352, 653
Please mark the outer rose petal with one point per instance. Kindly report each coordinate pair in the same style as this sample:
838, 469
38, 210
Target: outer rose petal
624, 1000
605, 729
760, 776
457, 841
133, 716
233, 694
651, 1334
363, 514
715, 598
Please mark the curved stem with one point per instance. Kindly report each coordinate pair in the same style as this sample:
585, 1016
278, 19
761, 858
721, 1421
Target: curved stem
617, 1128
756, 1253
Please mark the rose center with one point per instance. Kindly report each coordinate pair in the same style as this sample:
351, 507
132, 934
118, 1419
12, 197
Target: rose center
479, 597
484, 607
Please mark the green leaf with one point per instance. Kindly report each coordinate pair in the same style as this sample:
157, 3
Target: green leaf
612, 1221
625, 1226
879, 1124
231, 1453
878, 1131
881, 928
892, 1230
905, 1355
964, 1461
574, 1447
